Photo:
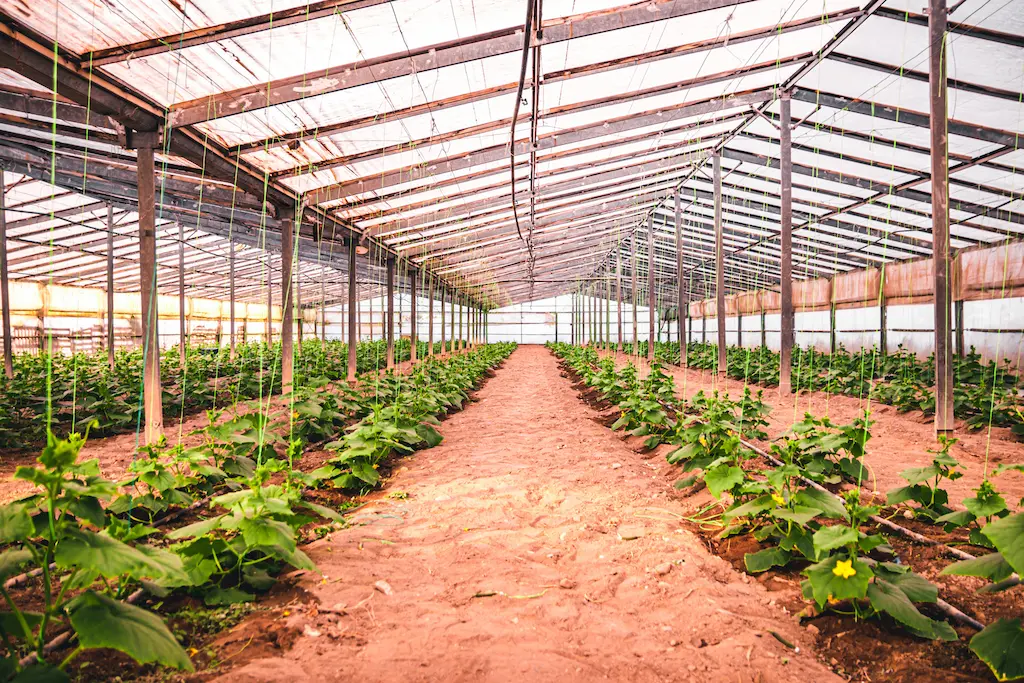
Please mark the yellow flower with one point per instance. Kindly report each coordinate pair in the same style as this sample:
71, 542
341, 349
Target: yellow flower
832, 600
295, 415
844, 569
703, 441
779, 500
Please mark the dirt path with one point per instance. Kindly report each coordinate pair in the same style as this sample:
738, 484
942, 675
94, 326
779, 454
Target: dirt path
898, 440
532, 545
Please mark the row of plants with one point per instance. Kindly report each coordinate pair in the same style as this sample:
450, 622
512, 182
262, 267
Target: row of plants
241, 501
783, 503
984, 393
60, 393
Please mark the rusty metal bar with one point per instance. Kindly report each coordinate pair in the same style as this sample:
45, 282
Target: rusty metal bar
937, 115
786, 244
429, 57
151, 390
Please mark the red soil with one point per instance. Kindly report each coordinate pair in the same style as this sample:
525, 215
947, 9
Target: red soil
532, 545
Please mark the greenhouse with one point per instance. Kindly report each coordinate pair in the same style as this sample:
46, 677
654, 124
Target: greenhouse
493, 340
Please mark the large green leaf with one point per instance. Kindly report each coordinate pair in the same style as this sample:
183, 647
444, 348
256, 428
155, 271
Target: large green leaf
829, 505
430, 435
800, 514
832, 537
763, 560
41, 673
100, 621
888, 598
1001, 646
200, 528
750, 508
720, 479
267, 533
11, 561
15, 523
101, 553
1007, 535
826, 584
10, 625
992, 567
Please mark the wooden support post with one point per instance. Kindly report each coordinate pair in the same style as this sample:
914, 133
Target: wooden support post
231, 293
413, 336
151, 390
938, 122
572, 318
268, 328
739, 329
287, 306
786, 244
182, 332
5, 287
680, 282
704, 329
110, 280
618, 296
764, 332
430, 315
633, 292
299, 317
353, 336
607, 315
958, 314
453, 346
832, 315
723, 363
389, 316
443, 350
323, 307
652, 290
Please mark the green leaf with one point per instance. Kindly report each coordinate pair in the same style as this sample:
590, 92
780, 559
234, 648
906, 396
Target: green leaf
1001, 646
1007, 535
200, 528
263, 532
826, 584
985, 507
832, 537
685, 482
11, 561
15, 524
888, 598
105, 555
751, 508
829, 505
100, 621
957, 518
322, 510
798, 515
10, 626
763, 560
41, 673
993, 567
431, 436
720, 479
215, 596
365, 472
